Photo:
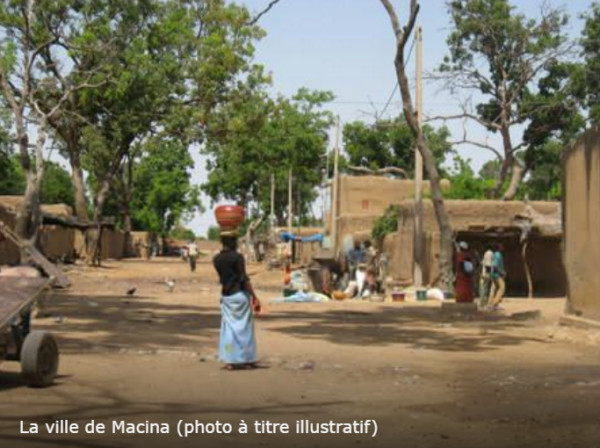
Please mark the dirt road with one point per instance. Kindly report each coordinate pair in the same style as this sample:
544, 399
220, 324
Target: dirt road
427, 379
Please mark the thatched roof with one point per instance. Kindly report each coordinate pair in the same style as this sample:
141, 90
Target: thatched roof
55, 214
12, 203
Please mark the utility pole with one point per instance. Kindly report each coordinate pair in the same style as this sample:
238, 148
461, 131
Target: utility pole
418, 227
290, 210
272, 214
336, 186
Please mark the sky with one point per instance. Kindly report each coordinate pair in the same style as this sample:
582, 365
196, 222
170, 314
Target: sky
347, 47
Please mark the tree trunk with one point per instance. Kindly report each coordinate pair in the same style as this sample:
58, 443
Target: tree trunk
445, 261
79, 187
126, 208
25, 211
94, 256
518, 171
127, 228
501, 178
81, 211
28, 214
101, 196
105, 187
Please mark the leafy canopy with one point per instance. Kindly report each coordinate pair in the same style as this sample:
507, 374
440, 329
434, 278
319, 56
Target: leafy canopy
390, 143
589, 79
518, 72
257, 137
163, 194
56, 187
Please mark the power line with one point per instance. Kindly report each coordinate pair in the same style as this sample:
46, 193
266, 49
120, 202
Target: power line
412, 46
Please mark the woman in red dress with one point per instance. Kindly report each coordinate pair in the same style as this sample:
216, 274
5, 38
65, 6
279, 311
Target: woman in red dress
464, 269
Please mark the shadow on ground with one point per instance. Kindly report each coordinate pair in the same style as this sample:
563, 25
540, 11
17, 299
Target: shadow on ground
111, 321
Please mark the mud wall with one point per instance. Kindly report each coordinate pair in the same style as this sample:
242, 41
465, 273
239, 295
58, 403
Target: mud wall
372, 195
363, 199
209, 247
355, 226
470, 219
581, 205
112, 243
57, 243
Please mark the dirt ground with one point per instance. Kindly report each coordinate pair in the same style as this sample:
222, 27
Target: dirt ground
429, 379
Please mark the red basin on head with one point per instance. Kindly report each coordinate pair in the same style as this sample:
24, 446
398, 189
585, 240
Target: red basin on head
229, 216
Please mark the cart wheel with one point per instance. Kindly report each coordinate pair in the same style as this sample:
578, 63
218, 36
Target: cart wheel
39, 359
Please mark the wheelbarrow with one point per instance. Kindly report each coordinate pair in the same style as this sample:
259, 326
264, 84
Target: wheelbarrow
37, 351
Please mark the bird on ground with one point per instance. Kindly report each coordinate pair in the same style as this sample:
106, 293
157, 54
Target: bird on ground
131, 292
170, 284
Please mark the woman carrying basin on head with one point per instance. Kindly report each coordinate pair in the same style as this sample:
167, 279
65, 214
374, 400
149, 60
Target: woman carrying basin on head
237, 345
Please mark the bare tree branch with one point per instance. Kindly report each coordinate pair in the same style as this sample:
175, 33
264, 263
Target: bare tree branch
393, 18
466, 141
463, 116
257, 17
408, 29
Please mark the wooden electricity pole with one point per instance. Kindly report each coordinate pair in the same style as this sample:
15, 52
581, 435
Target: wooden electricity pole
272, 214
290, 210
418, 228
336, 186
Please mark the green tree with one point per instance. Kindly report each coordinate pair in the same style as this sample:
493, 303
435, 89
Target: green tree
589, 78
519, 69
162, 66
29, 98
169, 77
259, 138
12, 179
385, 224
490, 169
545, 181
183, 233
464, 184
390, 143
163, 194
57, 186
213, 233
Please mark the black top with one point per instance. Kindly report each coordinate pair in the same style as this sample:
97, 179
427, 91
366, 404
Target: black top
231, 268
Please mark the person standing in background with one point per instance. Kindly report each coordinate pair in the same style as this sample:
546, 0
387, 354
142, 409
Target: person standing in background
192, 254
498, 275
355, 257
464, 269
485, 280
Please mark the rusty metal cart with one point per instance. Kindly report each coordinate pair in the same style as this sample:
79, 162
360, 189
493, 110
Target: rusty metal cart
36, 350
